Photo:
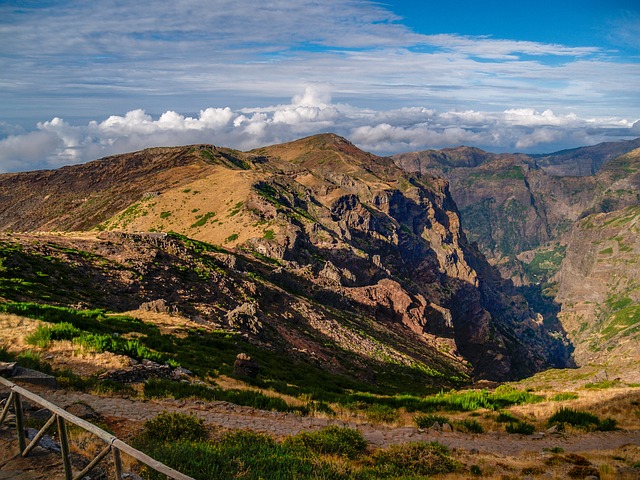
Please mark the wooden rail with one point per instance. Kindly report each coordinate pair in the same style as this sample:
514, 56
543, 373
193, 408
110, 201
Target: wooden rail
113, 446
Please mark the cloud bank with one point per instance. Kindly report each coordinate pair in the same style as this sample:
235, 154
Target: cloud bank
57, 142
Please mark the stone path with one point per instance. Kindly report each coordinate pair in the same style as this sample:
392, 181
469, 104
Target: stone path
231, 416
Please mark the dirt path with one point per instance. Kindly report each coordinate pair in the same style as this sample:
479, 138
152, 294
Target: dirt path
125, 411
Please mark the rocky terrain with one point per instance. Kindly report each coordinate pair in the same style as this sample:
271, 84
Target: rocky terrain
321, 248
527, 215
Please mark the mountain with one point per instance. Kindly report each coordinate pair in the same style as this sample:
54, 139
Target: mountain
584, 161
313, 249
599, 290
509, 204
569, 243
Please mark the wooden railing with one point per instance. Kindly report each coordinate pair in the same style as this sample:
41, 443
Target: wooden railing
113, 446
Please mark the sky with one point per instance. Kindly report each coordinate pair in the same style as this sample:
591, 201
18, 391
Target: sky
80, 80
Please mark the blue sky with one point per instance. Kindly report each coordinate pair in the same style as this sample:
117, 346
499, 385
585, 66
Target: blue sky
80, 80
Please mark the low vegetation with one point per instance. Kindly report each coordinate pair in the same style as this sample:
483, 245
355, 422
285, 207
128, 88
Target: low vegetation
580, 419
330, 453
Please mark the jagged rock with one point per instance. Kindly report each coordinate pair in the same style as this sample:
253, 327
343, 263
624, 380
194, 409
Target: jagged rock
447, 428
331, 273
245, 317
245, 366
140, 372
155, 306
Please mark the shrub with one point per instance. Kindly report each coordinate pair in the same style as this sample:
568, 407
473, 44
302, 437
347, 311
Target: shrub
475, 470
521, 427
40, 337
506, 417
333, 440
171, 427
5, 355
381, 413
43, 335
561, 397
580, 419
418, 458
424, 420
470, 425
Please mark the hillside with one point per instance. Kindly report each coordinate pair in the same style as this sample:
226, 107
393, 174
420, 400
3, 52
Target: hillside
599, 289
510, 205
314, 249
544, 231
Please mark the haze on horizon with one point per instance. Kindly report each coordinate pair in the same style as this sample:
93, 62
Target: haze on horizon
81, 80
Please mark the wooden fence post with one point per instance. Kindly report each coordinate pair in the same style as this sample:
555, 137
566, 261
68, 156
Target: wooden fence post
64, 444
117, 462
17, 404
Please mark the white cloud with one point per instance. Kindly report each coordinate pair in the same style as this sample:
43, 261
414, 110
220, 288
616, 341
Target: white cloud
57, 142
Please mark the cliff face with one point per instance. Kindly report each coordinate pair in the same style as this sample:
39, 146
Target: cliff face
347, 230
600, 292
568, 242
510, 205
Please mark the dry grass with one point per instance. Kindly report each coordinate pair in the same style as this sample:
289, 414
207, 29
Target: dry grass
617, 403
224, 191
60, 355
611, 464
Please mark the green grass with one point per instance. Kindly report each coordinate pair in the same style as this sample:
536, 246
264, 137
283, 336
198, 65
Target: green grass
564, 396
423, 420
203, 219
329, 454
580, 419
506, 417
468, 425
331, 440
180, 390
231, 238
92, 329
520, 427
172, 427
269, 235
602, 385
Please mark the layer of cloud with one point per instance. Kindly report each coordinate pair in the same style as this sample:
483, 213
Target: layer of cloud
89, 58
57, 142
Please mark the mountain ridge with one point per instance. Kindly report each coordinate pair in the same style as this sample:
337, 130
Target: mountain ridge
344, 227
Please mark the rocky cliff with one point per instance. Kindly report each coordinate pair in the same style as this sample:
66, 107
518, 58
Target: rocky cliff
526, 220
510, 204
321, 247
599, 290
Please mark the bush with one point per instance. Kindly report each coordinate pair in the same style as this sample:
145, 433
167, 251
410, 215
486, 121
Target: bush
424, 420
171, 427
506, 417
43, 335
333, 440
418, 458
470, 425
381, 413
561, 397
580, 419
521, 427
